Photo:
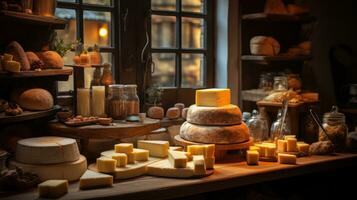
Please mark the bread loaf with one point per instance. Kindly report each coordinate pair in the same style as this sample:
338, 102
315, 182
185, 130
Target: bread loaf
35, 99
224, 115
264, 45
19, 55
51, 59
214, 134
179, 106
34, 60
173, 113
156, 112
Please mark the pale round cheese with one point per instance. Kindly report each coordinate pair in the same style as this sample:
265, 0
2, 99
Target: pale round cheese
47, 150
224, 115
71, 171
215, 134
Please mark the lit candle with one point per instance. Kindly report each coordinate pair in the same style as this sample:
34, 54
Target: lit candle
98, 101
83, 101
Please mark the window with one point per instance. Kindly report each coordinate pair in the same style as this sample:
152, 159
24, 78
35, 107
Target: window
91, 22
180, 43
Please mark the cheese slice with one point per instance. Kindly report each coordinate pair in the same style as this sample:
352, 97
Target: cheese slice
156, 148
91, 179
53, 188
121, 158
124, 148
178, 159
252, 157
213, 97
164, 168
106, 165
284, 158
141, 155
199, 165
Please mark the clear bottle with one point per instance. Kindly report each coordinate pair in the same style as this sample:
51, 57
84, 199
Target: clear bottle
116, 102
132, 100
276, 125
258, 127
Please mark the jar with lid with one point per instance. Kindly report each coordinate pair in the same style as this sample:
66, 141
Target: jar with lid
258, 127
336, 128
276, 126
280, 83
294, 81
132, 100
116, 102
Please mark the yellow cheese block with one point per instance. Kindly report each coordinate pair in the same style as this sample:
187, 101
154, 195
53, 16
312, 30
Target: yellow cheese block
106, 165
12, 66
156, 148
189, 156
178, 159
199, 165
213, 97
91, 179
131, 157
207, 150
7, 57
124, 148
291, 144
141, 154
260, 148
53, 188
121, 158
252, 157
286, 158
303, 147
270, 151
282, 146
210, 162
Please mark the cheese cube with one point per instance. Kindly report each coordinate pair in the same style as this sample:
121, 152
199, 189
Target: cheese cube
53, 188
91, 179
270, 151
303, 147
209, 162
106, 165
124, 148
141, 154
284, 158
213, 97
131, 157
199, 165
178, 159
282, 145
260, 148
291, 145
156, 148
12, 66
121, 158
196, 149
252, 157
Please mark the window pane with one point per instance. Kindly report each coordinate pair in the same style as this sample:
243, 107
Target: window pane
97, 28
192, 33
163, 31
164, 72
98, 2
192, 70
193, 6
163, 5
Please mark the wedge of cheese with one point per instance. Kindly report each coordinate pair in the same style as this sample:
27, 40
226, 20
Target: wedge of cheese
156, 148
53, 188
178, 159
91, 179
213, 97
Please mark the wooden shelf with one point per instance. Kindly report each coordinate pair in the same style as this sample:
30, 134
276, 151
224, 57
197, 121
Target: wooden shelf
274, 58
277, 17
28, 115
61, 74
254, 95
53, 22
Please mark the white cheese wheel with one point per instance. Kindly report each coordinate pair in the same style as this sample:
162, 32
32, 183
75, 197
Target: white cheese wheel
215, 134
71, 171
47, 150
225, 115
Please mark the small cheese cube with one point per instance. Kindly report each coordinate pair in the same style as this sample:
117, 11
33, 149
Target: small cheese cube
141, 154
213, 97
303, 147
91, 179
291, 145
284, 158
260, 148
131, 157
53, 188
121, 158
252, 157
12, 66
282, 145
106, 165
178, 159
156, 148
270, 151
124, 148
210, 162
199, 165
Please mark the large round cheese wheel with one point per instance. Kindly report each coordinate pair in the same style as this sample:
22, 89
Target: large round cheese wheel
47, 150
214, 134
71, 171
224, 115
35, 99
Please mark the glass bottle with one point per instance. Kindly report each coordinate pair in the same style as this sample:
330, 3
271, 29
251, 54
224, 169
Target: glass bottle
258, 127
96, 77
107, 76
280, 83
132, 100
275, 128
116, 102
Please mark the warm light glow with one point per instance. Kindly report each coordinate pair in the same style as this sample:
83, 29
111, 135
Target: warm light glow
103, 32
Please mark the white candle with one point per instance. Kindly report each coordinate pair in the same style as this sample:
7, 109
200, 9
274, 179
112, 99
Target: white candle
83, 101
98, 101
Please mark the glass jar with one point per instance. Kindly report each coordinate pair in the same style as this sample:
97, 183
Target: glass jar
132, 100
294, 81
107, 77
97, 74
336, 128
275, 127
280, 83
116, 102
266, 82
258, 127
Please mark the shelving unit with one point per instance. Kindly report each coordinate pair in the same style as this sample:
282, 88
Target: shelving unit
58, 74
277, 17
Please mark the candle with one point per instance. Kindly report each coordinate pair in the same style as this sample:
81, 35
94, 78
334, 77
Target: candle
83, 101
98, 101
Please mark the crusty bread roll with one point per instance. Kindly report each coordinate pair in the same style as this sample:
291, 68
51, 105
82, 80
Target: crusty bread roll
51, 59
35, 99
156, 112
173, 113
264, 45
15, 49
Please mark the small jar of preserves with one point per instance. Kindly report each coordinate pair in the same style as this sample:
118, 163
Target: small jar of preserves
116, 102
132, 100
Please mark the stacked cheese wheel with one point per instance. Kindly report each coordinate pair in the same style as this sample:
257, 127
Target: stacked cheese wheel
50, 158
213, 120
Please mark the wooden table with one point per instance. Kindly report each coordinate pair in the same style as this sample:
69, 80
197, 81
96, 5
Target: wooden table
229, 175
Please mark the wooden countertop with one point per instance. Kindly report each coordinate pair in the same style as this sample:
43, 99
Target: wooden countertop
226, 175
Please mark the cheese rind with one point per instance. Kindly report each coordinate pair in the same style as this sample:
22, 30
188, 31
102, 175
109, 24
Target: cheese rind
252, 157
124, 148
121, 158
291, 144
53, 188
213, 97
106, 165
178, 159
91, 179
286, 158
199, 165
156, 148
